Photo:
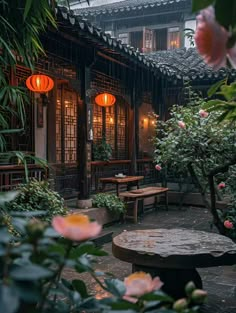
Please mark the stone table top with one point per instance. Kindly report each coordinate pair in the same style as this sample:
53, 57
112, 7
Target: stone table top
174, 248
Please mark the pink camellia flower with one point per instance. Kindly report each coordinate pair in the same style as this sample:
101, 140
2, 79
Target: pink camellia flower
221, 185
76, 227
203, 113
228, 224
211, 40
158, 167
181, 124
139, 283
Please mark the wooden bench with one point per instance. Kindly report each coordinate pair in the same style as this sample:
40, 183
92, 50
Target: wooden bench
140, 194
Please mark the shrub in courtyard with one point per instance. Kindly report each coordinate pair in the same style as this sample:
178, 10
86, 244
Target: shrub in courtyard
37, 196
109, 201
203, 149
32, 265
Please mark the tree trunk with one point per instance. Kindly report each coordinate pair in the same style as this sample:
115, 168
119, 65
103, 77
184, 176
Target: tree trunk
200, 187
216, 219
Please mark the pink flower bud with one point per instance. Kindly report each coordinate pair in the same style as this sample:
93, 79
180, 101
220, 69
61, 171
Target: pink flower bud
199, 296
181, 124
221, 185
203, 113
180, 305
228, 224
158, 167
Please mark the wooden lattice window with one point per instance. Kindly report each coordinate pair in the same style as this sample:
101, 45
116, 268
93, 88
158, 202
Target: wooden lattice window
66, 126
111, 123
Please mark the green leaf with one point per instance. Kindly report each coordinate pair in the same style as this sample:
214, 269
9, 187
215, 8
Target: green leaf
29, 272
50, 232
9, 301
28, 291
7, 196
198, 5
80, 287
86, 248
28, 6
225, 12
156, 296
124, 305
116, 287
215, 87
5, 237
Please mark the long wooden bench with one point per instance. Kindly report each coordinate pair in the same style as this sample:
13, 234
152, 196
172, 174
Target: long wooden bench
140, 194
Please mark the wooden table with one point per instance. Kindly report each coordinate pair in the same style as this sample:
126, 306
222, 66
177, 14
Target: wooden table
141, 194
120, 181
174, 254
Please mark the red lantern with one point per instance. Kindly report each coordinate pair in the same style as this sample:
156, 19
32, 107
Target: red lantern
105, 99
39, 83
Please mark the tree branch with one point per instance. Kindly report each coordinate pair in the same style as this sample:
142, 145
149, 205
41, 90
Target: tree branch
200, 186
222, 168
216, 219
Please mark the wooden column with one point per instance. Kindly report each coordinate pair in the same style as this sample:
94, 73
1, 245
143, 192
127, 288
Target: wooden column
84, 147
51, 125
133, 129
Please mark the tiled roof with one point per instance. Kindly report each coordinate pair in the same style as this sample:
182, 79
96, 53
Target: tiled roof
125, 6
176, 64
91, 33
186, 63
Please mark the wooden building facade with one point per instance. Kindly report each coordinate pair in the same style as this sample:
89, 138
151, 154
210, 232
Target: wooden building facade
64, 124
149, 25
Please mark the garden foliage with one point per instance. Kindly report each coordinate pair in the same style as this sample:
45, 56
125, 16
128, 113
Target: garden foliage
37, 196
109, 201
193, 143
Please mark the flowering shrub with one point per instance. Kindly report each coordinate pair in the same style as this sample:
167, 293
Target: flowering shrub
32, 265
193, 143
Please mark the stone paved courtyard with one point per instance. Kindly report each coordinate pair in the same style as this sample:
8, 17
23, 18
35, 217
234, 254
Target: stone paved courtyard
219, 282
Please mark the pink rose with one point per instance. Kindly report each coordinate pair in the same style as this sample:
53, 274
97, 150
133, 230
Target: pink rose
211, 40
76, 227
139, 283
181, 124
203, 113
221, 185
228, 224
158, 167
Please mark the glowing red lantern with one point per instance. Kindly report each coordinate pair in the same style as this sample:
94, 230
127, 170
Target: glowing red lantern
105, 99
39, 83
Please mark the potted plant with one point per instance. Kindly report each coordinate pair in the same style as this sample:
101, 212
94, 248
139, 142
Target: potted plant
102, 151
113, 207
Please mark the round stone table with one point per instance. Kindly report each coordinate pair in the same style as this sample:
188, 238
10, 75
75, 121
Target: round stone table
174, 254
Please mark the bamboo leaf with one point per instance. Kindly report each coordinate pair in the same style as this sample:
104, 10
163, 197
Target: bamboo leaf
28, 6
215, 87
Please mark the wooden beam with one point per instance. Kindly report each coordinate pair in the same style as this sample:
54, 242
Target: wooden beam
104, 56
